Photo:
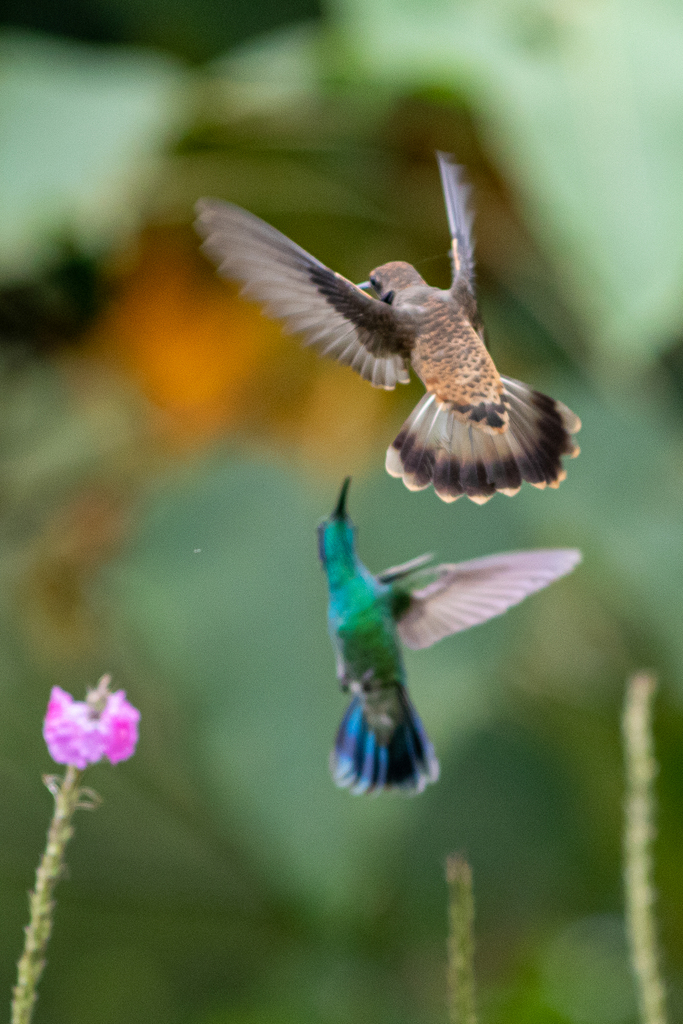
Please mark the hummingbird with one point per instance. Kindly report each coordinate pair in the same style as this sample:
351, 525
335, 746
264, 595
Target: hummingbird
381, 743
474, 432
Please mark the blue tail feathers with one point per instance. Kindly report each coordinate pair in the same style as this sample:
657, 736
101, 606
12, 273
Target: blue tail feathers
363, 764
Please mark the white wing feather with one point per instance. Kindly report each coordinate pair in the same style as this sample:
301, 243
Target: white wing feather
472, 592
460, 219
397, 572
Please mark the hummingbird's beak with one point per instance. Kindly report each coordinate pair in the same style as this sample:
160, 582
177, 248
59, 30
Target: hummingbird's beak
340, 510
365, 284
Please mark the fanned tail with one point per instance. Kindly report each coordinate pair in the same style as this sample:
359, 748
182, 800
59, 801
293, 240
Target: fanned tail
365, 762
435, 446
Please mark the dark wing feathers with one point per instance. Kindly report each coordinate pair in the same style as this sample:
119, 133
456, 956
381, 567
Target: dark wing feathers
333, 314
472, 592
460, 218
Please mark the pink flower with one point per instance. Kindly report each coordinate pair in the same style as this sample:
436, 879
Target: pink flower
83, 732
119, 721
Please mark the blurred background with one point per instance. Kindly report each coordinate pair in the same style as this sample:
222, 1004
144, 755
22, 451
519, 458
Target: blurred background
165, 456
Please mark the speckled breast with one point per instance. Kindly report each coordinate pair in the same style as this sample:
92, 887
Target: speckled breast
452, 360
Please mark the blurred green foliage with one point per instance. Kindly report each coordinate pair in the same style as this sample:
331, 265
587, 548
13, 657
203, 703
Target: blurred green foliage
195, 31
225, 880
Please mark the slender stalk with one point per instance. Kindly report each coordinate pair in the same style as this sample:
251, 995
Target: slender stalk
460, 941
41, 903
639, 833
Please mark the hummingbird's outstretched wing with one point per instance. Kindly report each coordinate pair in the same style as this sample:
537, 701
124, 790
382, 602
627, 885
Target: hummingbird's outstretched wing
333, 314
399, 572
460, 218
456, 597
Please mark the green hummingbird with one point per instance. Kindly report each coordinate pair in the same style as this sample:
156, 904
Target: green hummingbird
381, 742
474, 432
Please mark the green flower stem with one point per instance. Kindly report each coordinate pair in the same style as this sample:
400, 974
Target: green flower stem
460, 942
639, 833
41, 903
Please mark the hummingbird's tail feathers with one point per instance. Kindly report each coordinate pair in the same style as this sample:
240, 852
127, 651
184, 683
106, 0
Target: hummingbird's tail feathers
436, 447
364, 762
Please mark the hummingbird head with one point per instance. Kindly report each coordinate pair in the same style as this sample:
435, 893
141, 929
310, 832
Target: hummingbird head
392, 277
335, 534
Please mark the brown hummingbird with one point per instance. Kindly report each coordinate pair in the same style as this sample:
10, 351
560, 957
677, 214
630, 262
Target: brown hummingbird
474, 432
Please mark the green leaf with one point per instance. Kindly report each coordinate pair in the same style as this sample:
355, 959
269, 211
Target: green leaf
81, 129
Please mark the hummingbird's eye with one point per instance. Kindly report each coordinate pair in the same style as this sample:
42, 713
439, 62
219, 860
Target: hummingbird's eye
376, 285
388, 297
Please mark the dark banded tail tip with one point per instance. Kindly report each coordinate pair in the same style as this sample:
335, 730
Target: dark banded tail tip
436, 445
